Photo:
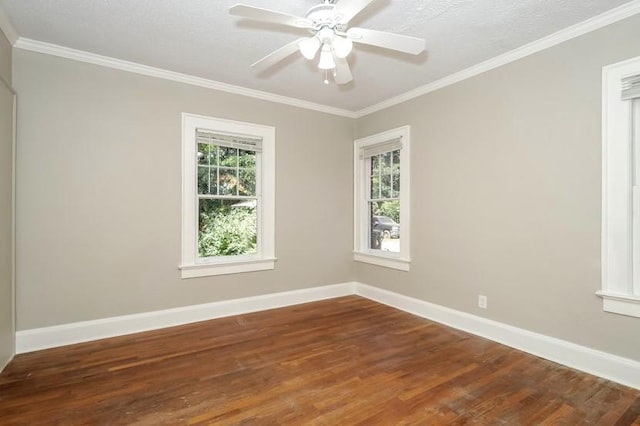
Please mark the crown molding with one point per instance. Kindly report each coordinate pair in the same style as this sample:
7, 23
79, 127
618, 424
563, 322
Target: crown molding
7, 27
105, 61
592, 24
612, 16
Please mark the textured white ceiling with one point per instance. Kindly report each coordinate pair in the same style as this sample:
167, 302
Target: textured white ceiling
200, 38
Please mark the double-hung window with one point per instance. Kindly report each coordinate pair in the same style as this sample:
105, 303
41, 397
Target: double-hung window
621, 188
228, 197
381, 205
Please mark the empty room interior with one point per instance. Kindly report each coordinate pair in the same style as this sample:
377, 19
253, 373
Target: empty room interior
320, 212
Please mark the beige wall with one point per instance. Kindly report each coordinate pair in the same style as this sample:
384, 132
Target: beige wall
506, 193
7, 332
5, 58
99, 193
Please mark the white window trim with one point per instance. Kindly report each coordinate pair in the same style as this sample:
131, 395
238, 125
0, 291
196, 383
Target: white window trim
265, 259
362, 253
617, 211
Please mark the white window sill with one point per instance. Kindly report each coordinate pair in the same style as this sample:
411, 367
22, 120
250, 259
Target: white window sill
233, 267
382, 260
625, 304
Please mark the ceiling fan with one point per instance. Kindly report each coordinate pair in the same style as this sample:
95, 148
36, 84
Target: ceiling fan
328, 25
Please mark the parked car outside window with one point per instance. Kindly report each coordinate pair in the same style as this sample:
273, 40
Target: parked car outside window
387, 226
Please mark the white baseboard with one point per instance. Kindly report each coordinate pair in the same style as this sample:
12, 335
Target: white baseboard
85, 331
602, 364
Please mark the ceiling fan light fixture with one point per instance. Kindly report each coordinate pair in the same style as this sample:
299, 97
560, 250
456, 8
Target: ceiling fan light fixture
309, 47
326, 35
326, 58
342, 47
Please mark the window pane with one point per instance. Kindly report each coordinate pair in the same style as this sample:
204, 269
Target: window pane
396, 160
375, 165
213, 181
385, 186
384, 226
207, 180
396, 174
247, 185
203, 149
203, 180
396, 185
247, 158
375, 177
228, 182
228, 156
386, 161
227, 227
375, 187
207, 154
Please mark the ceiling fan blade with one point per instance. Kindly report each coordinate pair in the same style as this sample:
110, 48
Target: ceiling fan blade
342, 73
277, 55
348, 9
391, 41
266, 15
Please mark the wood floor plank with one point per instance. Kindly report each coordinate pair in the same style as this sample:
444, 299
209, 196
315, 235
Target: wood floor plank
344, 361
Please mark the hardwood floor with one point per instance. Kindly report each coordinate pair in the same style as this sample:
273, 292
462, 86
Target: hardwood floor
337, 362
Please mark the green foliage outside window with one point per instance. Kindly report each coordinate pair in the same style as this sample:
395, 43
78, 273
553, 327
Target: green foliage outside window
387, 208
226, 229
385, 185
227, 216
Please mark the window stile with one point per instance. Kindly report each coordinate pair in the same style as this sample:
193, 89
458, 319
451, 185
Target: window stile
635, 143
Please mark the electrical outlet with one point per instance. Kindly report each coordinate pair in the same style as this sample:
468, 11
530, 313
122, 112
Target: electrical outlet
482, 301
